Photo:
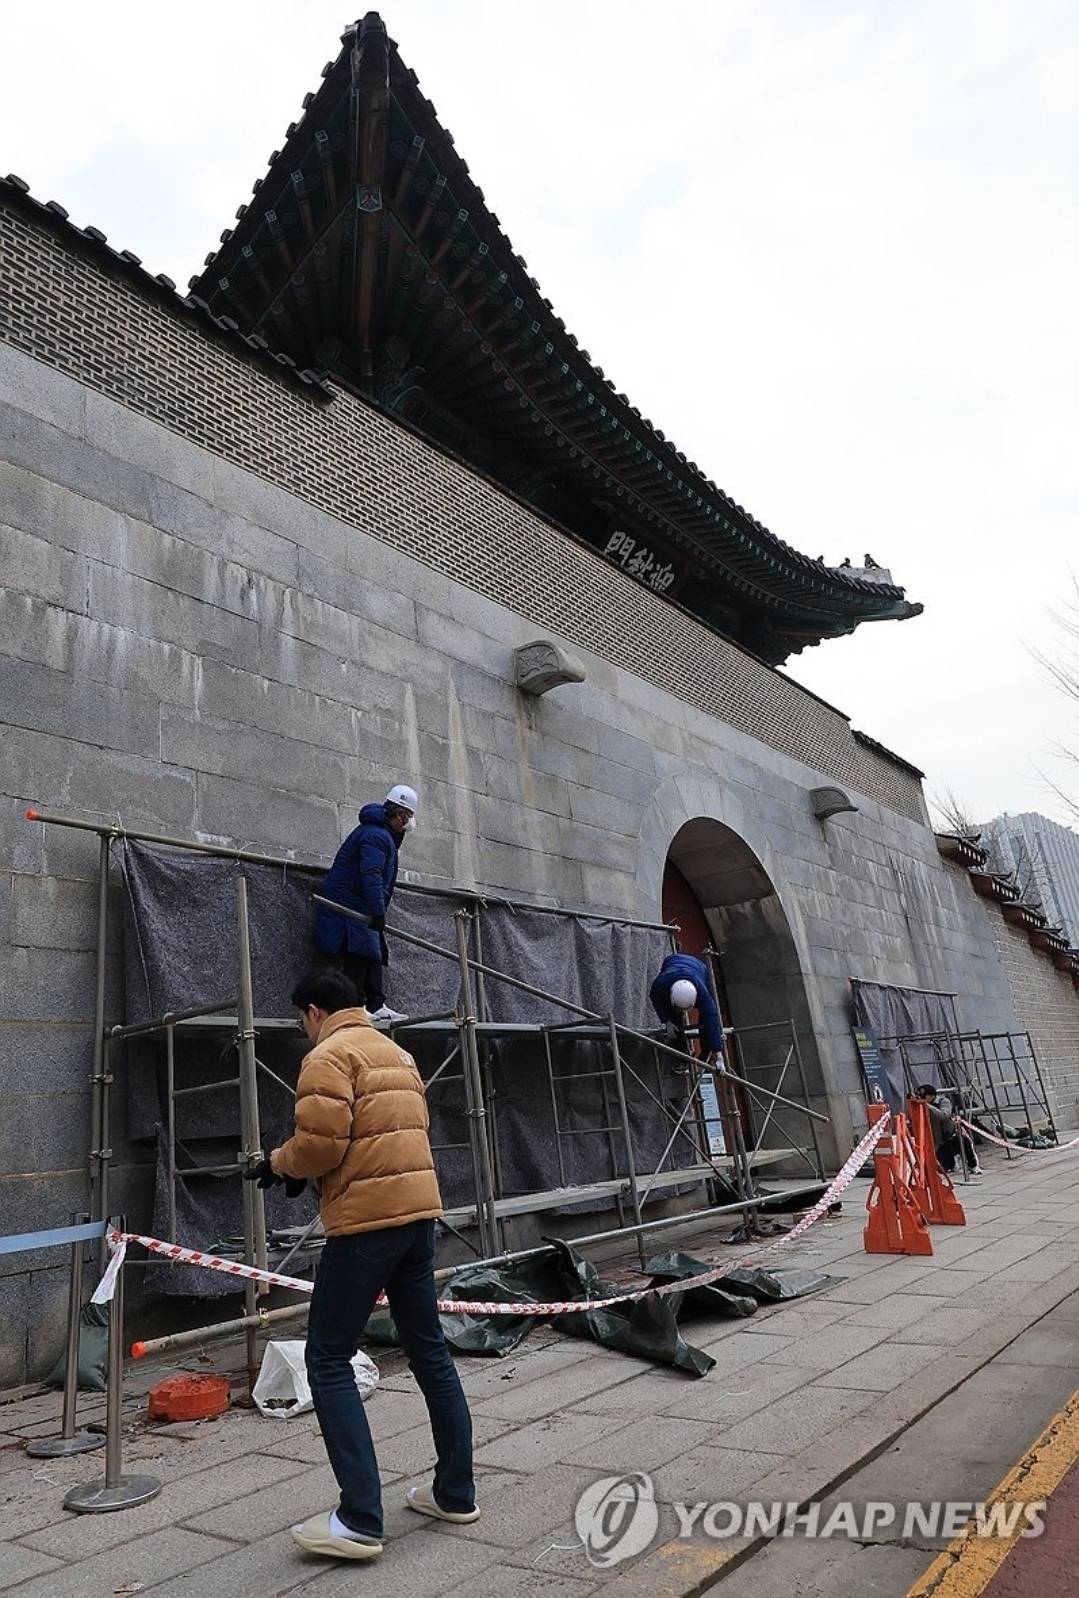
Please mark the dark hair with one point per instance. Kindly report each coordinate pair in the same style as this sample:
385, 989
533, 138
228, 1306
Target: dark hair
926, 1087
327, 988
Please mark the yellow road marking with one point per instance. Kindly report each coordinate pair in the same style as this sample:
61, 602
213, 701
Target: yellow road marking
967, 1565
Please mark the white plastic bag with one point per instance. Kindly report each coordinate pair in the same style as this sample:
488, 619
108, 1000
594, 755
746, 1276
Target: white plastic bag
281, 1390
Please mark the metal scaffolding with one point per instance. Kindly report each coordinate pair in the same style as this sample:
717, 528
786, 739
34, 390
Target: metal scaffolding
469, 1036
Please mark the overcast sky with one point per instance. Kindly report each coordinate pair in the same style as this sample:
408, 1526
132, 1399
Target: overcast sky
832, 250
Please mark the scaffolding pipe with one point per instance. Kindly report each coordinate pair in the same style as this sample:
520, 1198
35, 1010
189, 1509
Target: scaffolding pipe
251, 1137
488, 1222
221, 851
98, 1126
552, 998
263, 1318
157, 1023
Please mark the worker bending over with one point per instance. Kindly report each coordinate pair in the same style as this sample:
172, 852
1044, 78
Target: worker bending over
683, 985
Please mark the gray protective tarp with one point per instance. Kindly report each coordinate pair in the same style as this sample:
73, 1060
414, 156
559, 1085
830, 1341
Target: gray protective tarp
892, 1013
181, 950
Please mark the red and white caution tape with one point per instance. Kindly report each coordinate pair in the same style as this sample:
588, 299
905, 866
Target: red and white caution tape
118, 1242
1008, 1143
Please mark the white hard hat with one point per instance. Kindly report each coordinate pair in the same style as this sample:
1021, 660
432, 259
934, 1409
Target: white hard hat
683, 994
404, 796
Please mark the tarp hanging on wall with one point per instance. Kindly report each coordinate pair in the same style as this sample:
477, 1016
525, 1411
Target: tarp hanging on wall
891, 1013
180, 950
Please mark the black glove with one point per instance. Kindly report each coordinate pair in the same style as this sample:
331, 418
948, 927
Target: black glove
262, 1172
378, 923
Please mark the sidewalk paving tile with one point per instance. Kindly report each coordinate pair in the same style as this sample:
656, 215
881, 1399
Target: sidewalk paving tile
74, 1536
163, 1553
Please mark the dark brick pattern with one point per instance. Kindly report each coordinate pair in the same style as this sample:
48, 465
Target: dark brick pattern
354, 463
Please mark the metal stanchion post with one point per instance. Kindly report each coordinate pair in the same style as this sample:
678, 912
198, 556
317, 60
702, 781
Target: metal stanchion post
70, 1441
117, 1491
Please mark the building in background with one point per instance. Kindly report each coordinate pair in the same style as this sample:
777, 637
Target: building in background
1044, 856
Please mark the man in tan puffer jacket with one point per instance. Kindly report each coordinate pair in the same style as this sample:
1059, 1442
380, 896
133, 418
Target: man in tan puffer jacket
361, 1133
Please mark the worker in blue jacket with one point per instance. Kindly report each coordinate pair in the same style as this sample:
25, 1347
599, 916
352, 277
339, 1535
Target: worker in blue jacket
683, 985
362, 877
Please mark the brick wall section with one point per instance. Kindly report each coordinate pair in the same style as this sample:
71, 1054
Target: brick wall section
1047, 1003
351, 461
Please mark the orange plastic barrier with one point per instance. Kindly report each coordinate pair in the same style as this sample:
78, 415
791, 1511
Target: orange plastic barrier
896, 1224
932, 1187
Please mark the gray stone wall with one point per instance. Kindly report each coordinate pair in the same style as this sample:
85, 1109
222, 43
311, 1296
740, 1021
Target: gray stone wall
186, 646
1047, 1004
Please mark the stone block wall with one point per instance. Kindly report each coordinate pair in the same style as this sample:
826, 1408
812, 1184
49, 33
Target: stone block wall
1047, 1004
229, 611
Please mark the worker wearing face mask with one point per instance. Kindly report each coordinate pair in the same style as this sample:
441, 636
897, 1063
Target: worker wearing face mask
362, 878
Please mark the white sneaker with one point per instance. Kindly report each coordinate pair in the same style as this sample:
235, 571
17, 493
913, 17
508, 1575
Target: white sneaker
976, 1170
386, 1014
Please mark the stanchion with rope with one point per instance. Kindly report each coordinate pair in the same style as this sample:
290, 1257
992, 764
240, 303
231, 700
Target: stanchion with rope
72, 1439
895, 1225
115, 1491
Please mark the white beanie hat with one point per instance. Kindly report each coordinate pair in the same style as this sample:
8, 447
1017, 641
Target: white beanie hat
404, 796
683, 994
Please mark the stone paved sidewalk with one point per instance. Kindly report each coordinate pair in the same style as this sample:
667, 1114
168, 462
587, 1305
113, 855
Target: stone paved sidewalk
801, 1393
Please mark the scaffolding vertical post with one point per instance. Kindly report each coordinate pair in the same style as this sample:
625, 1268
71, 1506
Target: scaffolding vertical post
483, 1011
623, 1110
98, 1118
1000, 1118
253, 1205
1050, 1117
170, 1125
799, 1062
554, 1110
1020, 1084
486, 1216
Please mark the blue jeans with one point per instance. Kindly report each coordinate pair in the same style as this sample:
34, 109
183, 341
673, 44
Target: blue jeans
352, 1272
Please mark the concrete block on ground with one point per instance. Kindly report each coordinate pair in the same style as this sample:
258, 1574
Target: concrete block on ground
148, 1560
554, 1438
19, 1564
233, 1489
795, 1421
644, 1444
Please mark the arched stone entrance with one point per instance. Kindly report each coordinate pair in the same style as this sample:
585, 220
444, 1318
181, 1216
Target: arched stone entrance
719, 892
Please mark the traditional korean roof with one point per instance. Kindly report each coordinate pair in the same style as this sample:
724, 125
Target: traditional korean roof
369, 251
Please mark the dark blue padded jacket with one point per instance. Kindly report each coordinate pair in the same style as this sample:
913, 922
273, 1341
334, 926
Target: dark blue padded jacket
362, 877
687, 968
